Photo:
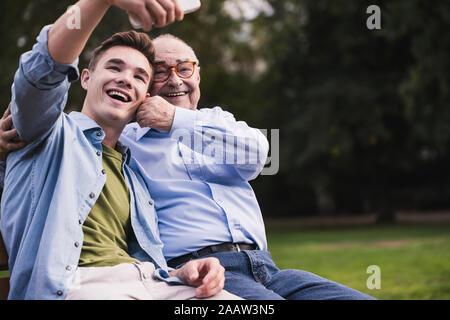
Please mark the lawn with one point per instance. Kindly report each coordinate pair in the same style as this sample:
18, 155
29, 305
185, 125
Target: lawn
414, 259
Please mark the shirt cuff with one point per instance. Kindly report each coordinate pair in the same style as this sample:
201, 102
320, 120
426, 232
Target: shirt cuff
163, 275
45, 73
184, 119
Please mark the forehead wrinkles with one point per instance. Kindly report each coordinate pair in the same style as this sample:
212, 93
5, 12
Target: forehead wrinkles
172, 51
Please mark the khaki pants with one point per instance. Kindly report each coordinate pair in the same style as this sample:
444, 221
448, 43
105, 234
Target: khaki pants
129, 281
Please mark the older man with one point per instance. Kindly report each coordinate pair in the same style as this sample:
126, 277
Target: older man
198, 164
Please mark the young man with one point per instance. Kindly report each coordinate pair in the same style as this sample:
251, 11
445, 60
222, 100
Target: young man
77, 221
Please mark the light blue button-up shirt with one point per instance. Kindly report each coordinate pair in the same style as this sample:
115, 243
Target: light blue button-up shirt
198, 174
52, 184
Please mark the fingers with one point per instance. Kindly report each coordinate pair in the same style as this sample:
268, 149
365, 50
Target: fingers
159, 12
205, 274
144, 16
6, 122
6, 145
145, 112
6, 136
146, 20
191, 273
156, 113
210, 288
13, 146
169, 6
7, 111
162, 11
141, 118
179, 14
212, 277
7, 132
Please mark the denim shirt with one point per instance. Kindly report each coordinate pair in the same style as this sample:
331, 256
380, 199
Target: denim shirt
52, 184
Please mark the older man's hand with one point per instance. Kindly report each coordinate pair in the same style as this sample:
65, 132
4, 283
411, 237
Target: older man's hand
7, 134
207, 275
156, 113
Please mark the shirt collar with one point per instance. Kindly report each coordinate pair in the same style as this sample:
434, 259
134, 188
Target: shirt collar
87, 123
125, 151
140, 132
83, 121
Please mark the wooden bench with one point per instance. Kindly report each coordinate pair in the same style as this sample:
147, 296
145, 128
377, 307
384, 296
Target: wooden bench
4, 281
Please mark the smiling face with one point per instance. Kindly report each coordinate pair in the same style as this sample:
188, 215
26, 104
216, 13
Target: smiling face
116, 86
181, 92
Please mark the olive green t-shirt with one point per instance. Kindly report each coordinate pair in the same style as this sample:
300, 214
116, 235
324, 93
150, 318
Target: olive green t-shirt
108, 225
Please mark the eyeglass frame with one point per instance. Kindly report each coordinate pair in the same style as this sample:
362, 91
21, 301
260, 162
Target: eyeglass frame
174, 68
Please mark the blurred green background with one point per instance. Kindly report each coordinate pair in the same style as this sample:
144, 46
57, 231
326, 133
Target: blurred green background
413, 259
364, 121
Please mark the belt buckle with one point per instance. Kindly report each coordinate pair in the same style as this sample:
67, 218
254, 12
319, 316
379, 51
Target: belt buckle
238, 247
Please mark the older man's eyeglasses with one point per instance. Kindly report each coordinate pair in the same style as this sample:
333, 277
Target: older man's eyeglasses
183, 69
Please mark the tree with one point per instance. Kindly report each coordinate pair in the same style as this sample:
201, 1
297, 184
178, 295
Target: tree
345, 96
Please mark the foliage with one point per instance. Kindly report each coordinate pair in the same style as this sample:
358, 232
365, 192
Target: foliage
363, 114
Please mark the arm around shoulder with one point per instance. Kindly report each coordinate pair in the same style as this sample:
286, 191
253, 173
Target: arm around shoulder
224, 148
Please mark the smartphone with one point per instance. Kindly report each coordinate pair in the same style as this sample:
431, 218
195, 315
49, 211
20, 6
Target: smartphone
187, 6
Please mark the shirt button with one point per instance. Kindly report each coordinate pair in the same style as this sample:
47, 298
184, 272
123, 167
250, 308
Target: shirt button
92, 195
68, 268
103, 171
59, 293
99, 153
150, 202
80, 222
99, 134
77, 244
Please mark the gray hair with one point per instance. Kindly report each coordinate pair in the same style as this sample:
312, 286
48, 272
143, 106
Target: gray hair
172, 37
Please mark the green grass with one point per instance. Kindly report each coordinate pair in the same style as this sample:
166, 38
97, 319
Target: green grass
4, 274
414, 259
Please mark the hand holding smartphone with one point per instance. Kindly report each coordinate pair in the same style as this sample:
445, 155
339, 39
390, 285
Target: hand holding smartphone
187, 6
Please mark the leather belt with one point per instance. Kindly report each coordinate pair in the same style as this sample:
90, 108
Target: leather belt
222, 247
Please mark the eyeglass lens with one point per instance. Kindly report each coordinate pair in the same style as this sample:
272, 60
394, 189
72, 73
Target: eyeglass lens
183, 69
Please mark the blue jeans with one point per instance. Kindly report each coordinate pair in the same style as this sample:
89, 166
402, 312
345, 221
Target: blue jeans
253, 275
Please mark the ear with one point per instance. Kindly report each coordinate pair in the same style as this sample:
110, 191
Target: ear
85, 76
198, 74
